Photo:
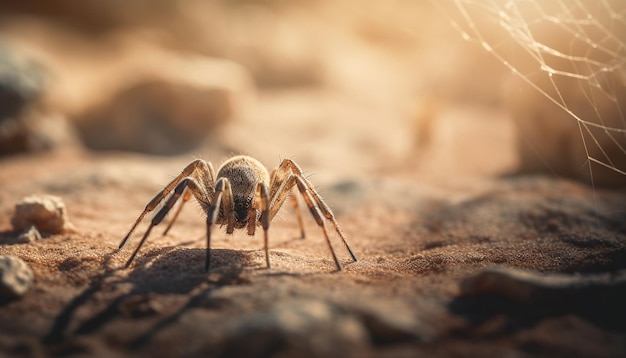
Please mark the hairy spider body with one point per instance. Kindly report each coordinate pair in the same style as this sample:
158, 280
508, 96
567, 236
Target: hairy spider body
242, 195
244, 175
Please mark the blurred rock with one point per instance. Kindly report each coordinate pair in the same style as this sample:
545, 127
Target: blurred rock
386, 323
23, 126
15, 277
279, 50
46, 212
93, 17
35, 131
21, 83
169, 107
308, 327
526, 286
29, 235
533, 296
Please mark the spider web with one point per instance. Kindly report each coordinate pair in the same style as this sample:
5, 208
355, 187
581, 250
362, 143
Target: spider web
572, 53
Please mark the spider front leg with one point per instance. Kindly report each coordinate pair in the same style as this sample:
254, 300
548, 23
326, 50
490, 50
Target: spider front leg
261, 203
264, 219
222, 186
198, 169
178, 191
186, 197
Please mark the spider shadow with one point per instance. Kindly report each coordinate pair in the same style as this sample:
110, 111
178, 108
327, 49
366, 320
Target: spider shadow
227, 267
169, 270
58, 330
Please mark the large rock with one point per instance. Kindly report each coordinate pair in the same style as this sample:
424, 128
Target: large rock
168, 107
25, 124
21, 85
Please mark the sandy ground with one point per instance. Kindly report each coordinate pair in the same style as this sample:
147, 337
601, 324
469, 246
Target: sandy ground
419, 225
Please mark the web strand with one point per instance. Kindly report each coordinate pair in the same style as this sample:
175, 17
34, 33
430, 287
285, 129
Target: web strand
572, 52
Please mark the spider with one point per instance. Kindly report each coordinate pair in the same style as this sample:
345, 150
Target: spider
242, 195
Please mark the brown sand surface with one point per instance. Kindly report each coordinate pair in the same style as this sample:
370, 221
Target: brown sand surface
417, 236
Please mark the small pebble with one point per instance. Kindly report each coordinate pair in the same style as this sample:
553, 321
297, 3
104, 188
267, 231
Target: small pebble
46, 212
15, 277
29, 235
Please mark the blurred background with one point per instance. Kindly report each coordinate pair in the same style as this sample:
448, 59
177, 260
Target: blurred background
434, 90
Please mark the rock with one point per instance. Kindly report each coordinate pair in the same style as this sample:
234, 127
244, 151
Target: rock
21, 83
21, 86
499, 296
97, 19
46, 212
309, 327
29, 235
386, 322
155, 117
525, 286
15, 277
170, 107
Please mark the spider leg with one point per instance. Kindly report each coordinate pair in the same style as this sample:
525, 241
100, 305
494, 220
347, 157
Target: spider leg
283, 186
222, 186
228, 207
186, 197
264, 219
316, 215
261, 203
178, 191
199, 169
281, 194
281, 183
296, 208
321, 204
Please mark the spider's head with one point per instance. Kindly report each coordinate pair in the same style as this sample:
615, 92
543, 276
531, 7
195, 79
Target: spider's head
242, 210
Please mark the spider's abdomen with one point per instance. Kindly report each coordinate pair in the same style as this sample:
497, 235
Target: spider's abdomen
243, 173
